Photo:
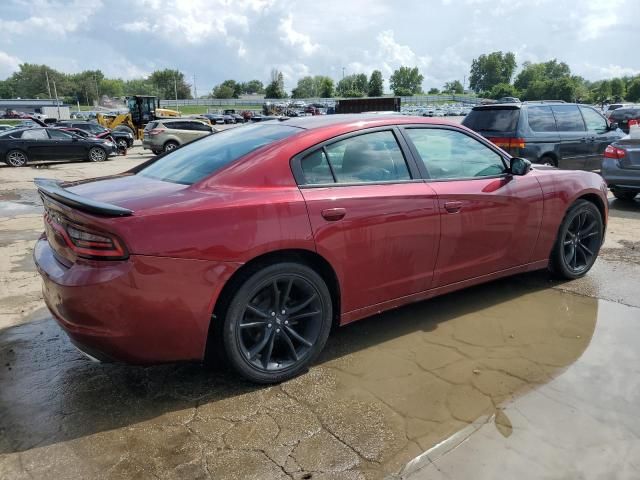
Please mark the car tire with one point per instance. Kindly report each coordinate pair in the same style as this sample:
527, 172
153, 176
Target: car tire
548, 160
170, 145
259, 341
122, 144
97, 154
626, 195
16, 158
578, 242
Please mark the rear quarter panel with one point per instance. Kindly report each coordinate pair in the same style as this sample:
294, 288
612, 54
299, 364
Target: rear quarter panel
561, 188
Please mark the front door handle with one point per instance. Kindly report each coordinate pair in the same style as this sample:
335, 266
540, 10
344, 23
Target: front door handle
452, 207
333, 214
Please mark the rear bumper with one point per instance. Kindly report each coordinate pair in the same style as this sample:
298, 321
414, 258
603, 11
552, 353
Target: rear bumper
619, 177
143, 310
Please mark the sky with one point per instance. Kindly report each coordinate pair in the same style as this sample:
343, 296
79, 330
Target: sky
217, 40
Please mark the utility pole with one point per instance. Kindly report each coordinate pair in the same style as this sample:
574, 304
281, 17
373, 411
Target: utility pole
55, 90
343, 73
97, 93
175, 90
195, 89
46, 74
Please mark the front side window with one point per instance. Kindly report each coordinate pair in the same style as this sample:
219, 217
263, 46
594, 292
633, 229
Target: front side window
197, 160
594, 121
371, 157
59, 135
448, 154
568, 118
35, 134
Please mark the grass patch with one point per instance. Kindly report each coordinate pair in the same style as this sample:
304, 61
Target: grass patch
9, 121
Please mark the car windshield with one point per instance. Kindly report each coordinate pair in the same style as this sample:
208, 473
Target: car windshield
492, 119
197, 160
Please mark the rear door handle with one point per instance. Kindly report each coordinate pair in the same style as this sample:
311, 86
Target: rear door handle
453, 207
333, 214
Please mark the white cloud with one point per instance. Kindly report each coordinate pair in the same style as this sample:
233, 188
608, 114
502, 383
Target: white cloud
8, 64
294, 38
600, 16
51, 18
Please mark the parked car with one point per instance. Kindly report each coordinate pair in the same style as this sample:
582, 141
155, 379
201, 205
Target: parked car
564, 135
614, 106
621, 167
20, 146
252, 242
228, 119
509, 100
623, 115
123, 139
168, 134
215, 118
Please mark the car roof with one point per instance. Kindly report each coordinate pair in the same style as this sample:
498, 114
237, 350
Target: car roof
320, 121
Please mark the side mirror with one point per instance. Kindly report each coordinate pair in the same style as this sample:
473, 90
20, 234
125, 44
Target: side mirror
519, 166
613, 126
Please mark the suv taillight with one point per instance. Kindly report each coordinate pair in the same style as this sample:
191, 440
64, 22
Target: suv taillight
614, 152
507, 142
155, 131
87, 243
634, 122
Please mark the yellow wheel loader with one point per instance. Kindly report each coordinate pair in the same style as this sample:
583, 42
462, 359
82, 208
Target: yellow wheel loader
142, 110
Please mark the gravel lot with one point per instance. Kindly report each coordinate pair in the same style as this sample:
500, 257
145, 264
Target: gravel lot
521, 378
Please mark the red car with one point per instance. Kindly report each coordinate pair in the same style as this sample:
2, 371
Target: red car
255, 241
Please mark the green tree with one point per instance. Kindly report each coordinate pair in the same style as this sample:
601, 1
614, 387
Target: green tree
169, 82
275, 89
140, 86
252, 86
376, 84
617, 89
633, 90
406, 81
6, 89
312, 87
112, 87
453, 87
355, 85
490, 70
433, 91
541, 72
325, 87
602, 91
223, 91
503, 90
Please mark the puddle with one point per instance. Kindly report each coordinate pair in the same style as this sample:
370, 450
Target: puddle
385, 391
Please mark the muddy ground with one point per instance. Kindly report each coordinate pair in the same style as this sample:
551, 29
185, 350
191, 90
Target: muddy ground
520, 378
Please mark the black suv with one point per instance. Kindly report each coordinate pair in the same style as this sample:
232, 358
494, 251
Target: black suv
622, 115
566, 135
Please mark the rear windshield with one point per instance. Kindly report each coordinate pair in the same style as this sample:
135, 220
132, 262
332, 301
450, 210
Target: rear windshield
492, 119
199, 159
625, 114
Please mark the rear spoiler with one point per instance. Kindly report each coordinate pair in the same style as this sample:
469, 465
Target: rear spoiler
53, 189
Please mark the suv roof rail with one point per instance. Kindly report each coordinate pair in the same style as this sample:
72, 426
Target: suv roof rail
544, 101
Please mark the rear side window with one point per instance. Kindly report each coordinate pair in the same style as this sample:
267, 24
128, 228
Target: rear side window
59, 135
371, 157
151, 125
622, 114
200, 127
197, 160
594, 121
174, 125
35, 134
492, 119
568, 118
315, 168
541, 119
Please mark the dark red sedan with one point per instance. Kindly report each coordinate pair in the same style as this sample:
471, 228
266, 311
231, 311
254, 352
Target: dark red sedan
254, 241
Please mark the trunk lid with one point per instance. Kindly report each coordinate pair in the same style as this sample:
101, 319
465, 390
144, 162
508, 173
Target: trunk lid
631, 160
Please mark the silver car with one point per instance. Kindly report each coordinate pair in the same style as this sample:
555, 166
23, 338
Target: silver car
167, 134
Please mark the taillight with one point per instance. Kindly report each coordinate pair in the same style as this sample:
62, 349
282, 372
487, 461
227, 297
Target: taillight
614, 152
155, 131
634, 123
87, 243
507, 142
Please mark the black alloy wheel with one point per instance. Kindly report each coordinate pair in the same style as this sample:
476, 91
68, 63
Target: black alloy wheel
578, 242
277, 323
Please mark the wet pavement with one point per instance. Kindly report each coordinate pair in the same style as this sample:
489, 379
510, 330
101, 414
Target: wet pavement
520, 378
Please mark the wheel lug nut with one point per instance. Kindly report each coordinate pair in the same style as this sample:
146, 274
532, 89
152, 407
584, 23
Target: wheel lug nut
284, 311
286, 322
277, 330
273, 314
269, 326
